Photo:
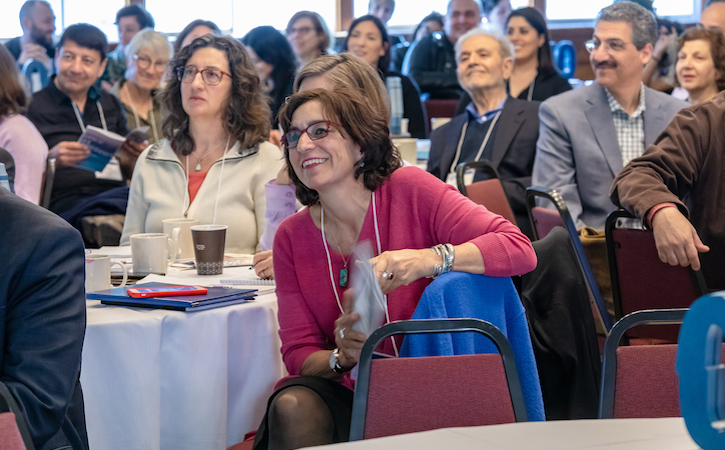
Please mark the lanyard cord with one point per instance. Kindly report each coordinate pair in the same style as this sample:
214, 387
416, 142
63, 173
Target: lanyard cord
135, 114
329, 262
219, 186
79, 118
530, 95
483, 144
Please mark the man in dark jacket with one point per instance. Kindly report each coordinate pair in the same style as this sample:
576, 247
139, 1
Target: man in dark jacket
42, 321
433, 60
495, 126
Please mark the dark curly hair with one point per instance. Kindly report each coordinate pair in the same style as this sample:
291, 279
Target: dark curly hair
366, 126
246, 113
717, 48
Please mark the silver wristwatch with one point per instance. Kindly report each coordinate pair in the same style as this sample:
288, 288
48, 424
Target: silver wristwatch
335, 361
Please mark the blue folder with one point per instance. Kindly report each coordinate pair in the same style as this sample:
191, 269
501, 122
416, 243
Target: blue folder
215, 297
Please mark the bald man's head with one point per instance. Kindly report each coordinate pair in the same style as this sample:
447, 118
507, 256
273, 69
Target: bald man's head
713, 17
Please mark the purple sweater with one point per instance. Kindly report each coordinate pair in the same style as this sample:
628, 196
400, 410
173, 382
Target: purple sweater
23, 141
415, 211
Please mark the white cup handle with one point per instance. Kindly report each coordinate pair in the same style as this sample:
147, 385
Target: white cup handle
125, 272
174, 246
175, 237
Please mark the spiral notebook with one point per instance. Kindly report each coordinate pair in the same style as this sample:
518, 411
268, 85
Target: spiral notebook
247, 279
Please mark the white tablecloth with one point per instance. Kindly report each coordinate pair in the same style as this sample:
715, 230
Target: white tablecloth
619, 434
160, 379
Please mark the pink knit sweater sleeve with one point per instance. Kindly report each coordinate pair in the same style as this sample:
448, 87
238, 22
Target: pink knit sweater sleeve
455, 219
300, 332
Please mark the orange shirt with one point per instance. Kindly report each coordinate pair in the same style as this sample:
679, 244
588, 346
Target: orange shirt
195, 180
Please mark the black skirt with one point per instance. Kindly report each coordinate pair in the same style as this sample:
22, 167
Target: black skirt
337, 397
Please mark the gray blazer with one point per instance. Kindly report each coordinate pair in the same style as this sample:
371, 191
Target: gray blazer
578, 154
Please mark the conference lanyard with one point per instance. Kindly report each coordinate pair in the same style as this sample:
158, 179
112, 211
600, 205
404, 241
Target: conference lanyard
329, 262
135, 115
463, 137
80, 119
530, 95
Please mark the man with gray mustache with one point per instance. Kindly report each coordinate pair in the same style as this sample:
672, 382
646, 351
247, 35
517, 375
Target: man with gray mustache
588, 135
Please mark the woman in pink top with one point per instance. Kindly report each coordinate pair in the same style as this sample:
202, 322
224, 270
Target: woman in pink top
347, 172
18, 135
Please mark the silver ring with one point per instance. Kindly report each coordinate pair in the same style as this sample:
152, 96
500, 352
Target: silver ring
387, 275
342, 332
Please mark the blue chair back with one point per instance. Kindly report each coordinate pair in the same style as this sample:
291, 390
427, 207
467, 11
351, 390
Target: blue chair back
36, 73
564, 58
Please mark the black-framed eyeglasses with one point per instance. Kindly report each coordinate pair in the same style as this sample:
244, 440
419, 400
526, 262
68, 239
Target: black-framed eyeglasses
211, 75
316, 130
144, 63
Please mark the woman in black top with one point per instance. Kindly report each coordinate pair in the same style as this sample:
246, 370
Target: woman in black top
276, 65
368, 39
534, 76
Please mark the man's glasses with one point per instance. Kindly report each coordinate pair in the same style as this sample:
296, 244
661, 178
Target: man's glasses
609, 46
316, 130
144, 63
211, 76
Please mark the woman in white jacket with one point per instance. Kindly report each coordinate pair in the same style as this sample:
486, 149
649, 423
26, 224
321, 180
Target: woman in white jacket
214, 159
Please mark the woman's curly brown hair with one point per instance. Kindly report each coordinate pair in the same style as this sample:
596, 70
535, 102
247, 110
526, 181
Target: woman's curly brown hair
246, 112
366, 126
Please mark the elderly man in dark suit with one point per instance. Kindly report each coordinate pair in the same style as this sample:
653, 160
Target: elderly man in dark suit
42, 321
495, 126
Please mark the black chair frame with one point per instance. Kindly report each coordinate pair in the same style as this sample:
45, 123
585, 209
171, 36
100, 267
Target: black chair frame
428, 326
609, 361
611, 223
483, 164
48, 183
553, 196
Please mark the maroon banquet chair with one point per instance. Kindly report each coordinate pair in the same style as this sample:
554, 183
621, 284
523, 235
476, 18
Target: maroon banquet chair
14, 434
640, 280
406, 395
640, 381
543, 220
489, 193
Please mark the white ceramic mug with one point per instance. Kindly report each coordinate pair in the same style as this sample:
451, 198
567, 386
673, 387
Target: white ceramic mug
179, 230
98, 273
437, 122
152, 253
408, 148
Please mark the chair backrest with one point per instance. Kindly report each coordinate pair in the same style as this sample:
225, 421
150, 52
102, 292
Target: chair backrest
489, 193
545, 220
436, 107
7, 159
48, 179
641, 281
563, 55
14, 432
36, 73
568, 224
640, 381
463, 390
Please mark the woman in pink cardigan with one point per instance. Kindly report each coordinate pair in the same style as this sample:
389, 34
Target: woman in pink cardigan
347, 173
